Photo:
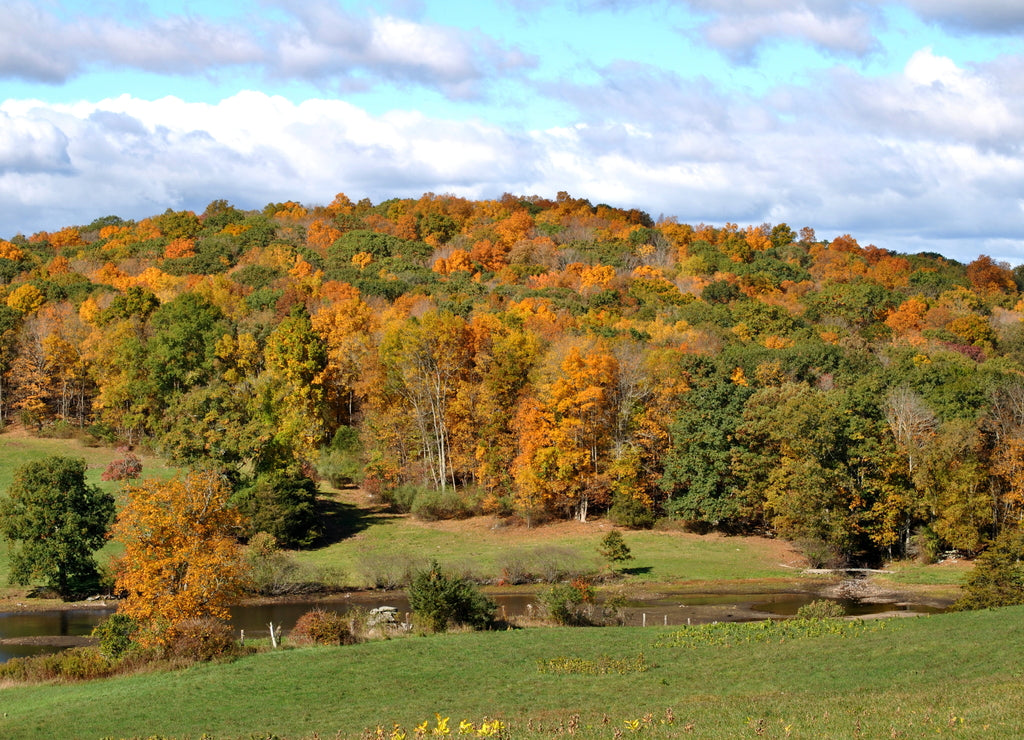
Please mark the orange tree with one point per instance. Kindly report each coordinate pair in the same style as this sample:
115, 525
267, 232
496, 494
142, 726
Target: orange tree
181, 557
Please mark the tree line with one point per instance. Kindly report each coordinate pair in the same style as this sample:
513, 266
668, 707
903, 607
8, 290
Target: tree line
533, 357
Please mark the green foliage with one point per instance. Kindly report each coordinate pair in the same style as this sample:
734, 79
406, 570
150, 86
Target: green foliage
341, 462
321, 627
998, 576
181, 351
569, 603
283, 504
629, 511
734, 634
75, 664
440, 599
55, 522
115, 635
614, 549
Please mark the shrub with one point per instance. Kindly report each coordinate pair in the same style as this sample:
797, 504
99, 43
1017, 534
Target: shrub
273, 572
998, 575
631, 512
127, 468
320, 627
821, 554
431, 505
388, 572
439, 598
340, 463
201, 639
821, 609
76, 664
925, 545
569, 604
115, 635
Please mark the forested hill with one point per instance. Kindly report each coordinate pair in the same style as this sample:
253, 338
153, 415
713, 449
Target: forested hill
539, 358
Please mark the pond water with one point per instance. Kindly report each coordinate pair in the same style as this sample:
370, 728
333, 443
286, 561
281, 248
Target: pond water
48, 627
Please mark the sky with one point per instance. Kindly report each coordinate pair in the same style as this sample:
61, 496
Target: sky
900, 122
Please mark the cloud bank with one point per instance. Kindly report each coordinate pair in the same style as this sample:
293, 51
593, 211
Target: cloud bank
926, 159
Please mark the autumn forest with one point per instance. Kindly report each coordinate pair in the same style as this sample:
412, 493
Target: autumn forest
535, 358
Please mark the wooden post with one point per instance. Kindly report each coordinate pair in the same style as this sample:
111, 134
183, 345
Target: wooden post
273, 637
645, 619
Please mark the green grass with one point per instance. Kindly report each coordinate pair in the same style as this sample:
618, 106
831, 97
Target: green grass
372, 537
956, 675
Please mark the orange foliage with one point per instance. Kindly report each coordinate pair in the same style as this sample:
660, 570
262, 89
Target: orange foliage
489, 255
321, 235
989, 277
10, 251
908, 317
181, 558
59, 265
180, 249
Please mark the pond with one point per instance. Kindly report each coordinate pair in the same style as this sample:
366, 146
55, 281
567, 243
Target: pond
31, 633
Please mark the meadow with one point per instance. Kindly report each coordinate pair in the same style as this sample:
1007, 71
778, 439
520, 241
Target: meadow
953, 675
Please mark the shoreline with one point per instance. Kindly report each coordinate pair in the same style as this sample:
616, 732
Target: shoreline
867, 590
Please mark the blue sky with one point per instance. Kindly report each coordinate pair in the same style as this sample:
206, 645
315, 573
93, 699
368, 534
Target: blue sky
900, 122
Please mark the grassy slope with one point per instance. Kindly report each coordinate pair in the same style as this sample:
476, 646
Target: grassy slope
483, 549
940, 676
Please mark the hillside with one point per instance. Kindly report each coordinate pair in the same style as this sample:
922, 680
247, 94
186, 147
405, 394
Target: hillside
535, 359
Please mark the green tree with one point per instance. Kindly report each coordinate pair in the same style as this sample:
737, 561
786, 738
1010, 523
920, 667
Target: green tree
698, 477
614, 549
281, 503
55, 522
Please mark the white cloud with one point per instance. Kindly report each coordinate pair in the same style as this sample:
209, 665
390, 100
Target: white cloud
314, 41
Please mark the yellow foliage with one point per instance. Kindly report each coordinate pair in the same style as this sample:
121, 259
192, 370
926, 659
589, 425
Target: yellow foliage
26, 298
181, 558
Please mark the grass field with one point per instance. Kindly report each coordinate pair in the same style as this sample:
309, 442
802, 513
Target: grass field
955, 675
484, 547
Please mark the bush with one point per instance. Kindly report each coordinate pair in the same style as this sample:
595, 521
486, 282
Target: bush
273, 572
821, 554
998, 575
320, 627
201, 639
630, 512
127, 468
340, 463
115, 635
431, 505
821, 609
569, 603
439, 599
76, 664
388, 571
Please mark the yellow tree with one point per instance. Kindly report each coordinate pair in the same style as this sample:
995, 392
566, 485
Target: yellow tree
564, 443
181, 557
